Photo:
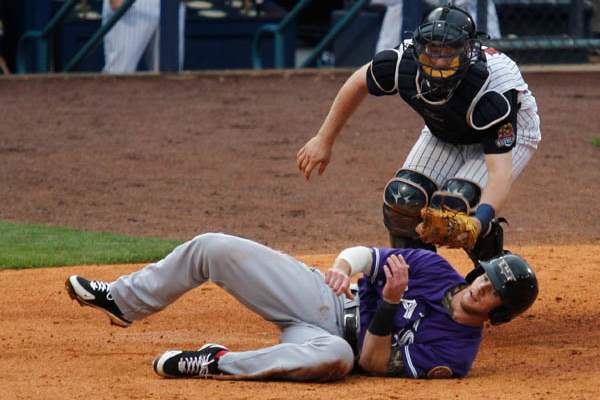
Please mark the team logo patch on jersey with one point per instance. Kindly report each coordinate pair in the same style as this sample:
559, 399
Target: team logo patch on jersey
440, 372
506, 135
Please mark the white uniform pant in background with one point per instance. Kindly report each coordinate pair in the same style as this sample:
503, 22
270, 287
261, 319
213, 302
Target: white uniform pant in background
276, 286
135, 35
440, 160
391, 27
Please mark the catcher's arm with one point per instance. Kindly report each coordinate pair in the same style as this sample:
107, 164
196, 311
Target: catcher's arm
499, 181
496, 191
317, 151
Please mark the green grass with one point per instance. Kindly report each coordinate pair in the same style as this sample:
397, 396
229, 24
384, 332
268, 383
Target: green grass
25, 246
596, 141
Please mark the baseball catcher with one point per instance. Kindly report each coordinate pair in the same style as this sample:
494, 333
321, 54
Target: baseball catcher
481, 129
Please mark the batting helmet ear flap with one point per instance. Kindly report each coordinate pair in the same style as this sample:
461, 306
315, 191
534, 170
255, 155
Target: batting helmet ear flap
500, 315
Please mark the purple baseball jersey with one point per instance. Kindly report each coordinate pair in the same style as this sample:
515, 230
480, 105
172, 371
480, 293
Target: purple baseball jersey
429, 338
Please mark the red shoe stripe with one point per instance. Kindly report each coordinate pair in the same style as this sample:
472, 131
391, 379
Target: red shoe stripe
221, 353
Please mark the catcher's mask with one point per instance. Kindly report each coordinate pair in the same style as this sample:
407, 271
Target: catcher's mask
445, 46
516, 284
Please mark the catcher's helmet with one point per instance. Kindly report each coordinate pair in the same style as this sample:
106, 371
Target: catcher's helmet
445, 46
515, 282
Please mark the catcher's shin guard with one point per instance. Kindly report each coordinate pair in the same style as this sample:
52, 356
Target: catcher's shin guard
403, 198
456, 194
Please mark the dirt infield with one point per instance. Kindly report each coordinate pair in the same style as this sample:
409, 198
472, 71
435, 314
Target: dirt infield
174, 156
54, 349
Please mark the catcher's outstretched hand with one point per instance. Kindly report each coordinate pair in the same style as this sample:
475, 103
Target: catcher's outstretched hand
446, 227
315, 152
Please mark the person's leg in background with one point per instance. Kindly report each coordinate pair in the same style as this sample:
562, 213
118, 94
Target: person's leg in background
182, 14
129, 38
152, 52
13, 15
3, 66
493, 24
391, 27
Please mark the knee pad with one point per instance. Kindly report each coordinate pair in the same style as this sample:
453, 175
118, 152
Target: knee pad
403, 198
457, 194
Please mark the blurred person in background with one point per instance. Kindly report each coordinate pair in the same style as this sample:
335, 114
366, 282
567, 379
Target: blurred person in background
595, 28
3, 67
596, 19
390, 35
135, 35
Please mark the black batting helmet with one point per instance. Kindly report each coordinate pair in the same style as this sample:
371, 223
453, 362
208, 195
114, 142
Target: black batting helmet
445, 46
515, 282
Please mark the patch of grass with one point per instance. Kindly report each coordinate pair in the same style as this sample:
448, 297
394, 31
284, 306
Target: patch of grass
596, 141
26, 246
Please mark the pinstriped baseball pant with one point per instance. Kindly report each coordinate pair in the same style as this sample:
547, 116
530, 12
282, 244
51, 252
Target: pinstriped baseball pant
276, 286
439, 160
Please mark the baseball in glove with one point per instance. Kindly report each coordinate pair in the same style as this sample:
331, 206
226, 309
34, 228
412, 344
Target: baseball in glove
446, 227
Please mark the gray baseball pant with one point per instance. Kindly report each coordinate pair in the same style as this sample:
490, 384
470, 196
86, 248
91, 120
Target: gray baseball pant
276, 286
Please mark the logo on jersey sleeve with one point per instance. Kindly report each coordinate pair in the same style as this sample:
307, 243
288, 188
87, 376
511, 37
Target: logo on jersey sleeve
506, 135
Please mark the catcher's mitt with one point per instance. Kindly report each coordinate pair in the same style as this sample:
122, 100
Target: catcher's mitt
446, 227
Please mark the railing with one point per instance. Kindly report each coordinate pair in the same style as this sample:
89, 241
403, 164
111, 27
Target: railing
544, 43
551, 30
43, 38
94, 41
337, 28
277, 31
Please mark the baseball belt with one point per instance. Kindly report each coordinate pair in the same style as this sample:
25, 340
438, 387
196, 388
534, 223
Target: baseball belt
352, 321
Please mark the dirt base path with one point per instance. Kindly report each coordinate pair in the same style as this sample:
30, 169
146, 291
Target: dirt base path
54, 349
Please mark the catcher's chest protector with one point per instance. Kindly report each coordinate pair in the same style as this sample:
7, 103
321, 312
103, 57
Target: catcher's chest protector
447, 121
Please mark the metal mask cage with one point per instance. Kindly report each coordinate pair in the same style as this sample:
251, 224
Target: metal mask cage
443, 52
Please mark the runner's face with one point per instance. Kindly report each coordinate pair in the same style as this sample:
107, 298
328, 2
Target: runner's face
480, 297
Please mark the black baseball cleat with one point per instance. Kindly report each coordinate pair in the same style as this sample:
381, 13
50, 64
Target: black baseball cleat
190, 364
96, 294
